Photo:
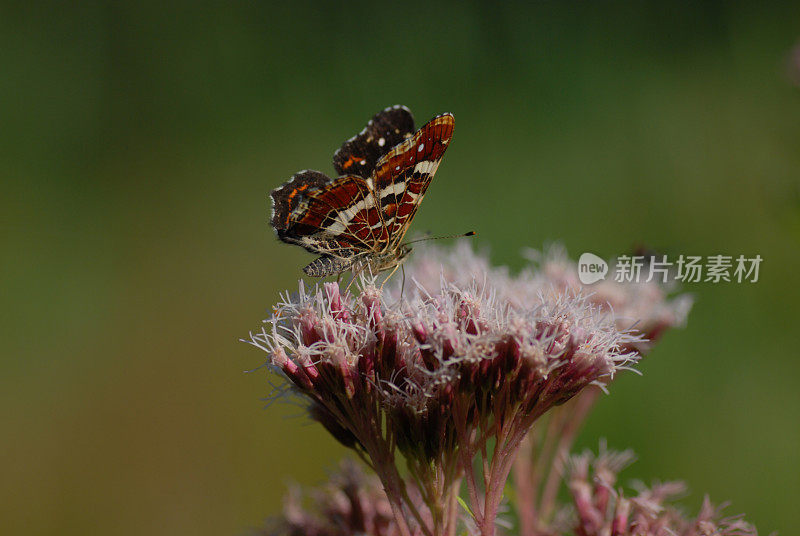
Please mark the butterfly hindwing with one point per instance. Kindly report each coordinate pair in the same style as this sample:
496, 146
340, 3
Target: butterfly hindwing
386, 129
287, 198
324, 215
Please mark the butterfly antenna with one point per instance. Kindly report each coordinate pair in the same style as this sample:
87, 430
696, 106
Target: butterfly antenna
471, 233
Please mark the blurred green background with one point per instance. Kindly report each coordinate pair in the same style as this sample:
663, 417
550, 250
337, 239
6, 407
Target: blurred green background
140, 139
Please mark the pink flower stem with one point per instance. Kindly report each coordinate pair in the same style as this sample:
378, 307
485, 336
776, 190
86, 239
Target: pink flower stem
452, 509
508, 443
526, 490
499, 468
381, 452
528, 475
467, 453
413, 509
397, 511
567, 434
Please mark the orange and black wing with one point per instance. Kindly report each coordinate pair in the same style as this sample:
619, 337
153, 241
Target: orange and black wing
402, 176
384, 131
326, 216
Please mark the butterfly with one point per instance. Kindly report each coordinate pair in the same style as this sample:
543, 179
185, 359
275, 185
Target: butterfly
357, 220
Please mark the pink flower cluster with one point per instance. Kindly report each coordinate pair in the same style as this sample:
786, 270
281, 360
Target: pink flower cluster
602, 509
350, 503
448, 370
438, 375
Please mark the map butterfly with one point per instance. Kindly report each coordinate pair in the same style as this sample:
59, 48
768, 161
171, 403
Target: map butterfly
357, 220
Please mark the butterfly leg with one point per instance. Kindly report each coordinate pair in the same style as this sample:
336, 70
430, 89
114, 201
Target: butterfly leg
350, 283
390, 275
403, 282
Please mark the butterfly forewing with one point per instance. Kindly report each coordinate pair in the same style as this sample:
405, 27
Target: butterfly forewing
387, 128
402, 176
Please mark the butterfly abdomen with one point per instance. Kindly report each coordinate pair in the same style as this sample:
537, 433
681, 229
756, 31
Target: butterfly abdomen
325, 266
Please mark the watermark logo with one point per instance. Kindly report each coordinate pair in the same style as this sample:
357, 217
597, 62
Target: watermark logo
686, 269
591, 268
